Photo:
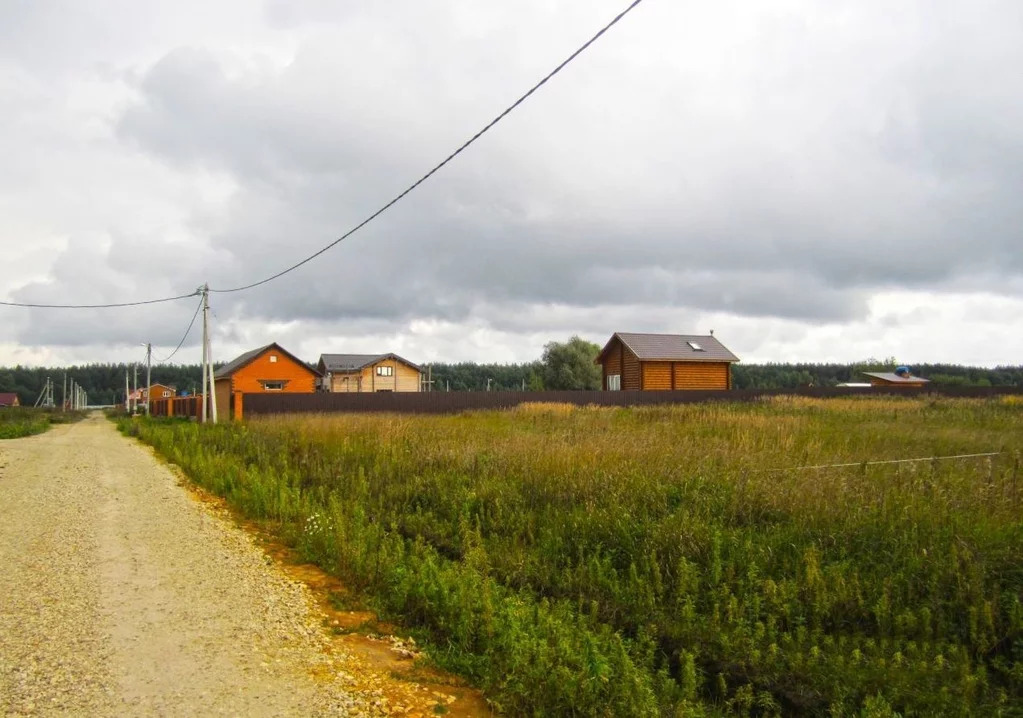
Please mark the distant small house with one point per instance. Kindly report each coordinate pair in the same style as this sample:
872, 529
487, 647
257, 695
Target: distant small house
9, 398
156, 391
900, 377
368, 373
267, 369
633, 362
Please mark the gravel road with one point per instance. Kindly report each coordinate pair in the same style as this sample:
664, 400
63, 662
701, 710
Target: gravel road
122, 595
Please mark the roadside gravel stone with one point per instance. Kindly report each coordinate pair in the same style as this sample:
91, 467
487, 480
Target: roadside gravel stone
122, 595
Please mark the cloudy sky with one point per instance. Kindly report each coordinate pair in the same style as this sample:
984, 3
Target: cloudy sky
815, 181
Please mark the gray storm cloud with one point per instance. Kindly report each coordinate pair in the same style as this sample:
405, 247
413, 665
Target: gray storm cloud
768, 164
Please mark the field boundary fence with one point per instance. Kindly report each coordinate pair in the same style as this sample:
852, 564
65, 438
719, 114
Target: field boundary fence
880, 462
459, 401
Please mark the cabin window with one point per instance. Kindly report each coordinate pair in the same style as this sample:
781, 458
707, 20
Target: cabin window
614, 382
385, 371
273, 358
273, 386
166, 394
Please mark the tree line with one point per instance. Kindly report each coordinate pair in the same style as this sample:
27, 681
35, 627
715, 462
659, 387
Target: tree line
563, 365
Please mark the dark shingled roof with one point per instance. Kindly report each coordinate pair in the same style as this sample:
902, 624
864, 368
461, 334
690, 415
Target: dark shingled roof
341, 363
238, 362
672, 347
895, 378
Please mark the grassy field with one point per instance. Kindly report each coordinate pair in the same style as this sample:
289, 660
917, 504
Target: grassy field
18, 421
666, 561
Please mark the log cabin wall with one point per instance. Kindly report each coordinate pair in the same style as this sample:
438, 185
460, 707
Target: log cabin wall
631, 372
702, 375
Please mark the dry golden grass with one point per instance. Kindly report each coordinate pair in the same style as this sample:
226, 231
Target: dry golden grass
528, 542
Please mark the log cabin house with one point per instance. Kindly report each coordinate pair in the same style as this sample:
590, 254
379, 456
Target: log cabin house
9, 398
368, 373
651, 362
267, 369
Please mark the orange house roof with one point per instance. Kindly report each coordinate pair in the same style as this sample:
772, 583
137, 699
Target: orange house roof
248, 357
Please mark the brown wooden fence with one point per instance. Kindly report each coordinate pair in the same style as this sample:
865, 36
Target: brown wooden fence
453, 402
190, 406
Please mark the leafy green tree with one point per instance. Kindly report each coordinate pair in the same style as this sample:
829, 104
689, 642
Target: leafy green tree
570, 365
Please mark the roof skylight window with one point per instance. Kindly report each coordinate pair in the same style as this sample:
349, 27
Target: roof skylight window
695, 346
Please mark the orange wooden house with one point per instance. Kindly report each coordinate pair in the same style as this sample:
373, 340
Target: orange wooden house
651, 362
270, 369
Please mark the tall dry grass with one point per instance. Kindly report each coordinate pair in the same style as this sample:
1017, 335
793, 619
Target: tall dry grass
671, 559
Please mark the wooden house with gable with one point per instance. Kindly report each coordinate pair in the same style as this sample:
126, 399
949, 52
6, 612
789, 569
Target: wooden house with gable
665, 362
368, 373
268, 369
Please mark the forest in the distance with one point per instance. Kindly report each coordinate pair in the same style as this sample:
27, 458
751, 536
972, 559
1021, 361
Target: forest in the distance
564, 365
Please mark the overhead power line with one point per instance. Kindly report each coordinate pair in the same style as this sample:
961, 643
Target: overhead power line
370, 218
183, 338
99, 306
447, 159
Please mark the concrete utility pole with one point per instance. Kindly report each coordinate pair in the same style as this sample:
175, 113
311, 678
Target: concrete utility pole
63, 397
205, 330
127, 393
149, 375
46, 395
135, 393
209, 402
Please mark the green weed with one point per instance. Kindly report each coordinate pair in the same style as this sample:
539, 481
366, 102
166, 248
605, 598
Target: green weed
17, 422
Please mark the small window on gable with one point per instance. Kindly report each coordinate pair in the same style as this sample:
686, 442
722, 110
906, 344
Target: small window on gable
273, 386
273, 358
385, 371
695, 346
165, 393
